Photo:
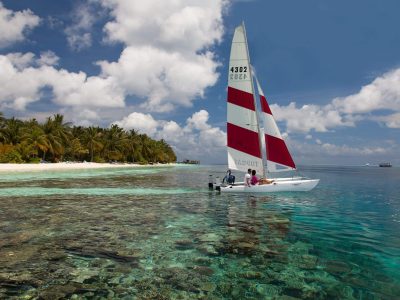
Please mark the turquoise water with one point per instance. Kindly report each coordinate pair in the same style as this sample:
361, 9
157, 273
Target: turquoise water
158, 233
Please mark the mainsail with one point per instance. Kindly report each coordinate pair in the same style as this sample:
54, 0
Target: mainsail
243, 140
277, 152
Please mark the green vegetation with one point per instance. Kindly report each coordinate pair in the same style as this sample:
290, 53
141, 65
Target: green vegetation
55, 140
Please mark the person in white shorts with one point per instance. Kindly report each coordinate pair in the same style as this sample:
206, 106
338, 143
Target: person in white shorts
247, 178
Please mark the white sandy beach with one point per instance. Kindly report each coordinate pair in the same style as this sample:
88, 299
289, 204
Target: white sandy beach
70, 166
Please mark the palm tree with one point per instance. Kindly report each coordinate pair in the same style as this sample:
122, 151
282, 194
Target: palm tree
23, 140
167, 150
147, 149
54, 141
115, 140
133, 146
11, 132
76, 150
62, 129
92, 140
2, 125
2, 120
37, 139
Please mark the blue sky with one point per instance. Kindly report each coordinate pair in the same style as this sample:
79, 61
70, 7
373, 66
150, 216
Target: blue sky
330, 70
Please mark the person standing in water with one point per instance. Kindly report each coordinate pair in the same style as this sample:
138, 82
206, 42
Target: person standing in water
230, 179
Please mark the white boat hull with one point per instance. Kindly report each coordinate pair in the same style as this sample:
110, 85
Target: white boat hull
281, 185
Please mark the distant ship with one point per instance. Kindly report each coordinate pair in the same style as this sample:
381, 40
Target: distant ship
191, 162
385, 165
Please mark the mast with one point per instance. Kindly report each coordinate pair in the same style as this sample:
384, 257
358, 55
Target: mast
255, 102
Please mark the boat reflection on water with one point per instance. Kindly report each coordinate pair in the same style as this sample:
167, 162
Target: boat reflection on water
254, 229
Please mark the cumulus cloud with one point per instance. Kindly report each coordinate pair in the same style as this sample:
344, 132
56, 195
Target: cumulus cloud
383, 93
172, 132
167, 49
309, 117
179, 25
14, 25
196, 137
198, 121
323, 152
166, 61
24, 77
21, 61
79, 32
81, 116
48, 58
391, 121
144, 123
334, 150
18, 60
165, 79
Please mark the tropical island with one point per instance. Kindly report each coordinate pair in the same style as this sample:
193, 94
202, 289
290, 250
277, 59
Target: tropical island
57, 141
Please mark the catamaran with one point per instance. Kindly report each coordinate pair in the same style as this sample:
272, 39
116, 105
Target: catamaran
244, 136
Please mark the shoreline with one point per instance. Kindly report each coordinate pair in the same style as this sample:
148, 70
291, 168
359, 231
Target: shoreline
8, 167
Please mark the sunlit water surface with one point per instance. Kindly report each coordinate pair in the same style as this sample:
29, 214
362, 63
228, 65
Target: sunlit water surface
158, 233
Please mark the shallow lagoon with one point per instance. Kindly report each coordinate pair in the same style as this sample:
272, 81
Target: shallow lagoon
158, 233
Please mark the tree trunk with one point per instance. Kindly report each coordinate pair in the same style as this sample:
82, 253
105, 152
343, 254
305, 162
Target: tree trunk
91, 153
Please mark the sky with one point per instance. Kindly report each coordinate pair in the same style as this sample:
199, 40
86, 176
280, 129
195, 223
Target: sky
330, 70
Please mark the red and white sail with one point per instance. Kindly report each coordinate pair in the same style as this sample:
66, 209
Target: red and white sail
275, 146
243, 141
